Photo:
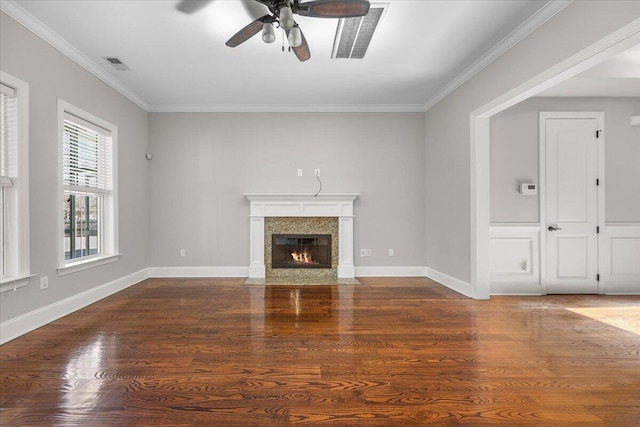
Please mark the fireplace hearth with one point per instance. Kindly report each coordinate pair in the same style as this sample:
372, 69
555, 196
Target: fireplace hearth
301, 251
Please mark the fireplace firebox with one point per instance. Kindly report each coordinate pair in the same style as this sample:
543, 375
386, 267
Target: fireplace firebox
301, 251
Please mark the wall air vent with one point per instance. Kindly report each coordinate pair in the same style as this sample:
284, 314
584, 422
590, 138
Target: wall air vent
116, 63
354, 35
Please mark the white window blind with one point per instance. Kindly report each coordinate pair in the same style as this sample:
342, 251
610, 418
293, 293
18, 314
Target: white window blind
8, 134
87, 160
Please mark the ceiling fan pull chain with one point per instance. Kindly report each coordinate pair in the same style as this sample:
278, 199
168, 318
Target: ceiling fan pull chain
283, 40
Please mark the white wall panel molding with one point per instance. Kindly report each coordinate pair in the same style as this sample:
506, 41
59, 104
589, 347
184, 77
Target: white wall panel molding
515, 259
21, 325
620, 255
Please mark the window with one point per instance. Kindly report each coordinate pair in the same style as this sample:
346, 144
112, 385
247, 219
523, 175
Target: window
8, 126
88, 196
14, 183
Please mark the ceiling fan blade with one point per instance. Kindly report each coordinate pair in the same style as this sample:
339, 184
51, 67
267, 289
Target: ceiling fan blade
247, 32
302, 51
333, 8
192, 6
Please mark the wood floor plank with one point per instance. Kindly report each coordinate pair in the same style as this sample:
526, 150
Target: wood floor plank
388, 352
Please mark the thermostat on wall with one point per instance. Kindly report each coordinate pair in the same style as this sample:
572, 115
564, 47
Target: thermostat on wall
528, 189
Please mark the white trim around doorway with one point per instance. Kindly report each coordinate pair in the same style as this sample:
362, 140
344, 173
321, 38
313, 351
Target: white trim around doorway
619, 41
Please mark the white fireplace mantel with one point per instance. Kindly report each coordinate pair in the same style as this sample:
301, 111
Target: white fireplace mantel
338, 205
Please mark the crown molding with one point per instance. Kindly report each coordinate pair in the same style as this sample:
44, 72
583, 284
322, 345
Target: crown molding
619, 41
548, 11
286, 108
48, 35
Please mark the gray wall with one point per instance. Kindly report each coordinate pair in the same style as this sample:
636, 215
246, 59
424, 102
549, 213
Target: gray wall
514, 156
448, 125
203, 163
51, 75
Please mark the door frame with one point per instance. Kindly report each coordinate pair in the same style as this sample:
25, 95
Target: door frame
480, 137
542, 187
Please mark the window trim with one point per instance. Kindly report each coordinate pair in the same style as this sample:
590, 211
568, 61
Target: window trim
21, 261
109, 223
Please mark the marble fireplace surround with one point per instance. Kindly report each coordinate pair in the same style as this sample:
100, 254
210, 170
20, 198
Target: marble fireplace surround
338, 205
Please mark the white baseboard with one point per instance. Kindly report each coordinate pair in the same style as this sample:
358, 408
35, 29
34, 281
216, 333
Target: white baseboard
13, 328
521, 289
198, 272
621, 289
450, 282
244, 271
391, 271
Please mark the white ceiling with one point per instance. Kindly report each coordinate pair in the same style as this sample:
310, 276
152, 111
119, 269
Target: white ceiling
179, 62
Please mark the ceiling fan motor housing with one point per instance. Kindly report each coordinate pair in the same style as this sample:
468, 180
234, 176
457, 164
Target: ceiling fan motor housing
282, 13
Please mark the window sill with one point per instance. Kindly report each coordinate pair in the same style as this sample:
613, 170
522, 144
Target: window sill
75, 267
13, 283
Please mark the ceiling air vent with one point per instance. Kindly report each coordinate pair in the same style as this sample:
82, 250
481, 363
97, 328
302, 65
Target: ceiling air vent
354, 35
116, 63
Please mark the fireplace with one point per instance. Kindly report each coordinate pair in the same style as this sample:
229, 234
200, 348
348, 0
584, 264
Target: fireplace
338, 208
301, 251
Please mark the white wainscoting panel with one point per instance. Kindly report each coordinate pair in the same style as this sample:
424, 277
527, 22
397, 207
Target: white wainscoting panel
515, 259
620, 255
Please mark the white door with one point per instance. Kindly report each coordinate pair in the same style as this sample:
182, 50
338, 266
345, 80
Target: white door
571, 174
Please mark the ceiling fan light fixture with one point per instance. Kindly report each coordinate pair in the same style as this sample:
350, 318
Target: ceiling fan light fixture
286, 18
268, 32
295, 37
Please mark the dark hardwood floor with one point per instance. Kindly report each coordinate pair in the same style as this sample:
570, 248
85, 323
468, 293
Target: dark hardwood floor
394, 352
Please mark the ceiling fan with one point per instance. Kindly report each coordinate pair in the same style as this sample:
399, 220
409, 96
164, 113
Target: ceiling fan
281, 15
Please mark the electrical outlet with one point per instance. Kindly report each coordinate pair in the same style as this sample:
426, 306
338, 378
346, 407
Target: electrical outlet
183, 252
368, 252
317, 172
363, 252
299, 172
391, 252
44, 282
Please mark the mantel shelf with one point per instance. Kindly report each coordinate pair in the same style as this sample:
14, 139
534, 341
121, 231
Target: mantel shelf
301, 197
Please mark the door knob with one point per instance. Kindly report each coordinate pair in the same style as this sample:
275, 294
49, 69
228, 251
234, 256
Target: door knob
552, 228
